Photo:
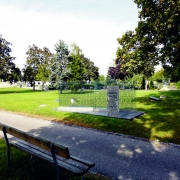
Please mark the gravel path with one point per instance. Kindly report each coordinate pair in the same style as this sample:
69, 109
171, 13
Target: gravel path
116, 156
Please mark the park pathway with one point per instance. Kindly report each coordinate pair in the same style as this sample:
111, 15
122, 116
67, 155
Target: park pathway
116, 156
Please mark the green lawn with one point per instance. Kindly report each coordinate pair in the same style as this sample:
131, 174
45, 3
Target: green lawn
161, 120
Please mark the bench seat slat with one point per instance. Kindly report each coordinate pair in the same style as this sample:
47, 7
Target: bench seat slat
54, 153
75, 167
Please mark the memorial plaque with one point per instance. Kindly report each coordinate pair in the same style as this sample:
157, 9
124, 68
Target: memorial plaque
112, 100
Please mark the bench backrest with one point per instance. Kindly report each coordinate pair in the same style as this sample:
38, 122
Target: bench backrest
42, 143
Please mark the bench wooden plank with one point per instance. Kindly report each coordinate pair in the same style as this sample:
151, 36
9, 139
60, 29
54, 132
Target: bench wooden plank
44, 144
41, 148
66, 164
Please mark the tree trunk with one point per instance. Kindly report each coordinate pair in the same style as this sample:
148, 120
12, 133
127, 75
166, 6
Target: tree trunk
146, 84
43, 86
34, 85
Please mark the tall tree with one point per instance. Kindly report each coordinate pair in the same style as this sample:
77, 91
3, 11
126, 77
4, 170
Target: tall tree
32, 61
76, 64
160, 22
77, 68
59, 69
137, 55
92, 71
38, 62
88, 69
6, 61
44, 66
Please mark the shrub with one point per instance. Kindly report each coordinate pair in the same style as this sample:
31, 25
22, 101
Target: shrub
178, 85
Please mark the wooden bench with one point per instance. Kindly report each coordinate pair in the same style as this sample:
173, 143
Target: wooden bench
154, 98
57, 154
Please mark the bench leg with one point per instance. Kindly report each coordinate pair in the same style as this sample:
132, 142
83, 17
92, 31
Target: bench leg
55, 162
8, 146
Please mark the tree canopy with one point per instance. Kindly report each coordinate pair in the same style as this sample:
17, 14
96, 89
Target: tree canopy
116, 72
37, 65
159, 27
155, 40
7, 66
59, 68
82, 68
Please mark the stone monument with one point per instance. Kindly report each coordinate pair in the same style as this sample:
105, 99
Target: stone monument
113, 101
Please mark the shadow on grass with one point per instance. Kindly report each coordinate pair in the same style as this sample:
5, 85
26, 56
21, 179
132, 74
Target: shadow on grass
162, 117
11, 91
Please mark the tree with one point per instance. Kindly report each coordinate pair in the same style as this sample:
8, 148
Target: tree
92, 71
28, 75
89, 70
138, 56
76, 64
159, 22
16, 74
32, 61
77, 68
59, 68
116, 72
137, 80
101, 78
159, 75
7, 67
38, 62
44, 66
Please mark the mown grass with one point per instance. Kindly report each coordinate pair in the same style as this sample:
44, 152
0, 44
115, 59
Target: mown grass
161, 119
24, 167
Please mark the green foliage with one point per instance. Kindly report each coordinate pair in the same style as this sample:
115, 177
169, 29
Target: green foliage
59, 67
151, 85
178, 85
136, 59
77, 68
44, 66
159, 28
75, 86
159, 75
38, 61
82, 68
28, 75
8, 71
137, 79
143, 83
101, 78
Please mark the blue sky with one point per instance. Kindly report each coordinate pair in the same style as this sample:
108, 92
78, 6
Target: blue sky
94, 25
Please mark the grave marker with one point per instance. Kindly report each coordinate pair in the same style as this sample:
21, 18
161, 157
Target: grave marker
112, 100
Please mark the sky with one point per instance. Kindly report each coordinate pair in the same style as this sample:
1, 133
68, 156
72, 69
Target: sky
94, 25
